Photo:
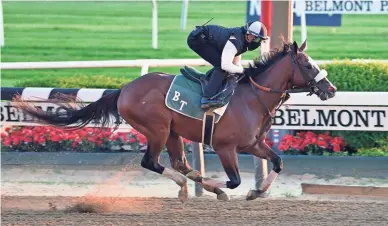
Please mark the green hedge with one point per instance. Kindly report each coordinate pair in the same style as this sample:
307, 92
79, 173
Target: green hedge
361, 77
96, 81
347, 76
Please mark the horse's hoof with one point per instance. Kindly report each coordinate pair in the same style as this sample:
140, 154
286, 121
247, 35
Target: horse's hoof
254, 194
223, 197
183, 194
182, 197
251, 195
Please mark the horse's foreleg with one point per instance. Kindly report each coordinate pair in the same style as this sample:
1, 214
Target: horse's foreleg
262, 150
175, 149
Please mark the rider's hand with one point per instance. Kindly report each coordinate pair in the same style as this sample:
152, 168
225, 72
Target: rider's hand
246, 69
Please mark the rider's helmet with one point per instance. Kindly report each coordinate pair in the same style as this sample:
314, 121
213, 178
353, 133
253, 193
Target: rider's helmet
257, 29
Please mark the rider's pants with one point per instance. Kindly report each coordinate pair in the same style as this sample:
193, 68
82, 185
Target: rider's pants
209, 53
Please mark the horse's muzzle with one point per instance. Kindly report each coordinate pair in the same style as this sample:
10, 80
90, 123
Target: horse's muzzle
323, 96
326, 95
331, 91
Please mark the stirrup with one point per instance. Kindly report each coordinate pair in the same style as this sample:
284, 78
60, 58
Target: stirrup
209, 103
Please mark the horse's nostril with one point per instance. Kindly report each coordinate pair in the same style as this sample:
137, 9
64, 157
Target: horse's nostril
332, 89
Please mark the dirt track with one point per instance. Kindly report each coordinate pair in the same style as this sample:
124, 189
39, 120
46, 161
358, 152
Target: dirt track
22, 204
197, 211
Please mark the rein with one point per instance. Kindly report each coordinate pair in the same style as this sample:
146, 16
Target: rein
284, 94
283, 98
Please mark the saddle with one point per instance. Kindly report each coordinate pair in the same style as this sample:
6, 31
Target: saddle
211, 115
227, 89
194, 75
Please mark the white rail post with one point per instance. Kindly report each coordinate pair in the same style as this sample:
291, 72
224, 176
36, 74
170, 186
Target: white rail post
303, 27
198, 162
1, 25
184, 14
144, 69
261, 170
154, 25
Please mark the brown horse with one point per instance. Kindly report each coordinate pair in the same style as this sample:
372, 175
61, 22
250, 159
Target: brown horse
242, 128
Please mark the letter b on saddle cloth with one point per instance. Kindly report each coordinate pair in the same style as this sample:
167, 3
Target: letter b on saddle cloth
184, 96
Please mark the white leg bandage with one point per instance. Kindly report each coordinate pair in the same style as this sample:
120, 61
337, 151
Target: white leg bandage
268, 181
180, 179
214, 183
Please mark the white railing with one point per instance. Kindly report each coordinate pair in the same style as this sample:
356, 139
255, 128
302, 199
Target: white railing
144, 64
363, 111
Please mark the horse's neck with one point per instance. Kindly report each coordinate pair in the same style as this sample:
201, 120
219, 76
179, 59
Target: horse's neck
276, 77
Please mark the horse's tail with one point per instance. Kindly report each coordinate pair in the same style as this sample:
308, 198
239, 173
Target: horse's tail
98, 111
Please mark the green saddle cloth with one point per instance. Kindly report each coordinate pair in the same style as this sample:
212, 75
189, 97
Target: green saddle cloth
184, 96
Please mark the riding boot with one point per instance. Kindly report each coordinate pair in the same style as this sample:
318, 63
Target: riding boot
212, 88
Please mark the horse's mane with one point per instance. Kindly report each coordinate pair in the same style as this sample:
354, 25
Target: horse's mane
266, 60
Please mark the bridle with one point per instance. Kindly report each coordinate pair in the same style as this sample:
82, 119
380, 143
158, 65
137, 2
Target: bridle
311, 82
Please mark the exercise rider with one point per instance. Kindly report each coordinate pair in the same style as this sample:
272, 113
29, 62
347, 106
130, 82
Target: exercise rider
222, 48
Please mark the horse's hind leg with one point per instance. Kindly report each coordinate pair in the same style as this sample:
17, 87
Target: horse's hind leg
179, 162
151, 158
228, 158
177, 155
175, 149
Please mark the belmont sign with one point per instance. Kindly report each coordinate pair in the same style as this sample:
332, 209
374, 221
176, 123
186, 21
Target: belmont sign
332, 118
364, 111
323, 12
253, 12
345, 6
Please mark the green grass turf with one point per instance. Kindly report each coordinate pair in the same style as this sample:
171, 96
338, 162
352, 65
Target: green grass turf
63, 31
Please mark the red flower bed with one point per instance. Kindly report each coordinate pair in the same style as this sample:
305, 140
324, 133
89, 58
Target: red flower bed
51, 139
311, 143
46, 138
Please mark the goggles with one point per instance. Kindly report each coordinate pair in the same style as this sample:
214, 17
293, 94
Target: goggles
258, 39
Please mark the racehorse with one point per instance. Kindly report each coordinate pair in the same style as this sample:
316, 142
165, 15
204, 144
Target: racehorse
242, 128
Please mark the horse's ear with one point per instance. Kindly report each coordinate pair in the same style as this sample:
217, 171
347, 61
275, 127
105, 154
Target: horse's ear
303, 46
295, 47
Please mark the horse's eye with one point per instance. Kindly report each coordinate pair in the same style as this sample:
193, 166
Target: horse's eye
309, 66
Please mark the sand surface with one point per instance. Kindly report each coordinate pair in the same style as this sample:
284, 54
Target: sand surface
201, 211
42, 196
137, 182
